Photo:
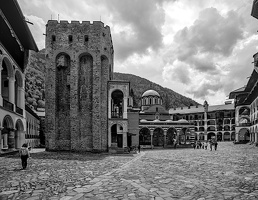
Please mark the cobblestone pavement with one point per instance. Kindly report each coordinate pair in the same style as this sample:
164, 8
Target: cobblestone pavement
231, 172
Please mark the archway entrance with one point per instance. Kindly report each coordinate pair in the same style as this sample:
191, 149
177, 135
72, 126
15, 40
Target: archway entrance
233, 136
219, 136
226, 136
158, 137
144, 137
244, 135
210, 135
8, 133
117, 135
171, 135
18, 134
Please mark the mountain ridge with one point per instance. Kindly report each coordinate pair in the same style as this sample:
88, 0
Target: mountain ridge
35, 85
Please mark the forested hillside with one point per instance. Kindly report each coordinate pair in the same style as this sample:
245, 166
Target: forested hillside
35, 85
140, 85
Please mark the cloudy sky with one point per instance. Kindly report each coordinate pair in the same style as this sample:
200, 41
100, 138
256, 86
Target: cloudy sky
201, 49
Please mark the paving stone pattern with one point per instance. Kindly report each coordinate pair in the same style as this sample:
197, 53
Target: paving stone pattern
231, 172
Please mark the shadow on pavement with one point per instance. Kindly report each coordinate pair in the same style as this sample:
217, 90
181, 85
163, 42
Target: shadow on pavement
64, 155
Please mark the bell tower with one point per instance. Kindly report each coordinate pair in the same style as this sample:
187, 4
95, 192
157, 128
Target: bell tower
79, 64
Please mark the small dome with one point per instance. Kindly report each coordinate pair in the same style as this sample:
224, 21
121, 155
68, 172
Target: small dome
150, 93
143, 120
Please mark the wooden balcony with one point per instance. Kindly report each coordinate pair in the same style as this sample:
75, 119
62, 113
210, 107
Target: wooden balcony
19, 110
7, 105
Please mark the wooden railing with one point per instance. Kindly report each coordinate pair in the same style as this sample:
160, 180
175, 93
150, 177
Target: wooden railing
8, 105
19, 110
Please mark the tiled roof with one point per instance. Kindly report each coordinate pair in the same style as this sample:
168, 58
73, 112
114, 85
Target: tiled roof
200, 109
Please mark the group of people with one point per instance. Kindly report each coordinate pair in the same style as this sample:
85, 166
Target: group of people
204, 145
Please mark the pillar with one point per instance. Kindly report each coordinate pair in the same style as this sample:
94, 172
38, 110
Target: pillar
1, 98
205, 136
11, 142
151, 133
205, 126
178, 135
5, 141
110, 106
1, 140
165, 137
11, 90
256, 137
21, 99
125, 108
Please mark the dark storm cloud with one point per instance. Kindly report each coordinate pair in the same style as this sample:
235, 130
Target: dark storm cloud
145, 19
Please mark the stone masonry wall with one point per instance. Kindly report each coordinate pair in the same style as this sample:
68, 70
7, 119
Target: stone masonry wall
78, 123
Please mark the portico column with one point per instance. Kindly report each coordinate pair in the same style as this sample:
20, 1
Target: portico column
165, 137
1, 98
178, 135
12, 91
256, 137
151, 133
1, 140
222, 135
125, 108
11, 139
21, 99
5, 141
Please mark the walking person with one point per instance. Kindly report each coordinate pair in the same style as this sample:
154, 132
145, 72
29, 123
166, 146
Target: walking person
24, 154
215, 145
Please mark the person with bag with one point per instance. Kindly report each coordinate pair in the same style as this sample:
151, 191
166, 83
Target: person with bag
24, 154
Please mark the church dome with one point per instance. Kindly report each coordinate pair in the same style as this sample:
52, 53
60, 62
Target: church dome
150, 93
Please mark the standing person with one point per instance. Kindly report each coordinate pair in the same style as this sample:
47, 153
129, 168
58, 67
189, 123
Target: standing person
215, 145
24, 154
206, 145
210, 142
194, 145
175, 143
139, 148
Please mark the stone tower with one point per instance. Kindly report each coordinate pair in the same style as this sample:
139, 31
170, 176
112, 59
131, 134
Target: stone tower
79, 65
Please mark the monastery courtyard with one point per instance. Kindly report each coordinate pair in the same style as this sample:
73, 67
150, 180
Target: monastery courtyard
231, 172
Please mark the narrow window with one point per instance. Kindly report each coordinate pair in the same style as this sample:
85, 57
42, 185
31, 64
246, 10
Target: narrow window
53, 38
86, 38
70, 38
